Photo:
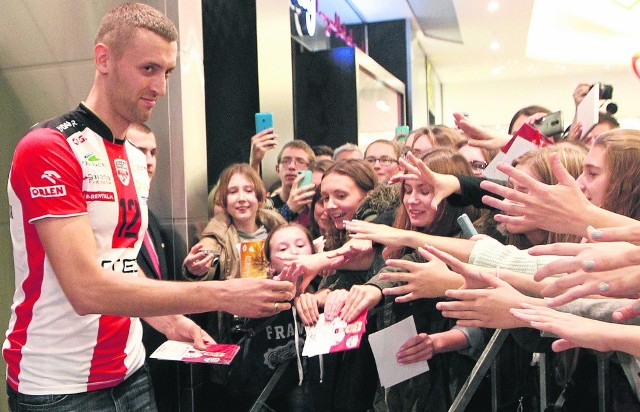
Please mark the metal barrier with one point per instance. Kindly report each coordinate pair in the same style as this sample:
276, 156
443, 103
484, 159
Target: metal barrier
487, 360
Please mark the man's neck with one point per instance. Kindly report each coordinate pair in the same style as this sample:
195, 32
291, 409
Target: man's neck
284, 194
101, 109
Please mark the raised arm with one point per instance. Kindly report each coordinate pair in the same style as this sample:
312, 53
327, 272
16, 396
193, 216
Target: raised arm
261, 143
560, 208
390, 236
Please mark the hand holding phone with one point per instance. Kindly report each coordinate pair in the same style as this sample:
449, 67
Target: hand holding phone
263, 121
306, 177
261, 142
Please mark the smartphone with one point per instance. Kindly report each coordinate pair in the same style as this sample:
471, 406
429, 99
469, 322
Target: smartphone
306, 180
402, 132
468, 230
551, 124
263, 121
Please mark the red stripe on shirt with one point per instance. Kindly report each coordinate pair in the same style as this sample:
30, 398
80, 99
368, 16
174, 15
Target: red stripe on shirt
32, 288
107, 363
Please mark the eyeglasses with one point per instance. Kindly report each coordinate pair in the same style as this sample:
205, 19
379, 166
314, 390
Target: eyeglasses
478, 165
406, 150
384, 160
297, 161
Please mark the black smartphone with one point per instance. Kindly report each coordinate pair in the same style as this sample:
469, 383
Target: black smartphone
551, 124
263, 121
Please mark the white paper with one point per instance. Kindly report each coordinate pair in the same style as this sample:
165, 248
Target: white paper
519, 147
172, 350
385, 345
587, 110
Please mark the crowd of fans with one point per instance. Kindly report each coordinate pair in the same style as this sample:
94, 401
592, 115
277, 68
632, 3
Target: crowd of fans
377, 231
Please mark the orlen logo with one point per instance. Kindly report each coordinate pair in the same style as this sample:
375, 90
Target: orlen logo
48, 191
50, 175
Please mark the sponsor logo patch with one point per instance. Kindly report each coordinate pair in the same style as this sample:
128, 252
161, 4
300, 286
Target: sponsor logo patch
122, 170
48, 191
90, 157
99, 196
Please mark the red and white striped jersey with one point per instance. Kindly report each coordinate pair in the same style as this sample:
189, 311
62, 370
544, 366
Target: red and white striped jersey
70, 166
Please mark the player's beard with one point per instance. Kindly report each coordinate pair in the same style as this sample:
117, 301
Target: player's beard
128, 105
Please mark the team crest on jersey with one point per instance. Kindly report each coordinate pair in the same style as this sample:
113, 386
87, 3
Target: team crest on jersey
122, 170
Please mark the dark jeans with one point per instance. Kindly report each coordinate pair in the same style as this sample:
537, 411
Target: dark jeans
134, 394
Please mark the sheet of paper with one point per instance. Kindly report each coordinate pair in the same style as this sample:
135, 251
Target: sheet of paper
181, 351
385, 345
519, 147
587, 110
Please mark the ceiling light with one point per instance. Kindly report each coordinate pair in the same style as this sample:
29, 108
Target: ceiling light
493, 6
497, 70
495, 45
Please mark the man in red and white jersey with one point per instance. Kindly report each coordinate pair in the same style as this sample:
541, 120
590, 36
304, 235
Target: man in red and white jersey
78, 199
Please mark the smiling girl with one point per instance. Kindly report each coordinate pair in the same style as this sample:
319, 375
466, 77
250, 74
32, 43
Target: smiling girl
241, 194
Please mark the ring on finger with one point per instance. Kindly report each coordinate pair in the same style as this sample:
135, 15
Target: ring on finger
275, 307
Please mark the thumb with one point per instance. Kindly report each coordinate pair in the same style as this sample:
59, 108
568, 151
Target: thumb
493, 281
626, 312
562, 345
198, 340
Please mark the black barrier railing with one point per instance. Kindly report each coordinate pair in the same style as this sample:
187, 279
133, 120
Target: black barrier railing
488, 360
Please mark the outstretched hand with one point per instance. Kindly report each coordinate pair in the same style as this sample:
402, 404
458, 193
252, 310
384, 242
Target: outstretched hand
550, 207
619, 283
378, 233
588, 257
256, 298
574, 331
350, 250
474, 276
488, 308
422, 280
